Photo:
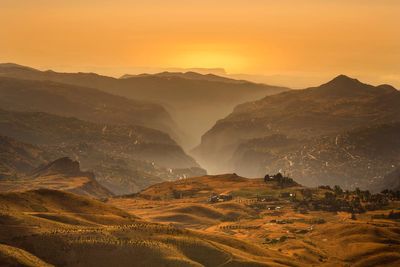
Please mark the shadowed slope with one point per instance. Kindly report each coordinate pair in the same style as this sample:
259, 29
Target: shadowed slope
125, 158
81, 102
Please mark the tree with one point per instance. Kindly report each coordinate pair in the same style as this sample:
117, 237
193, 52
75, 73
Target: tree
367, 195
307, 194
279, 176
329, 196
358, 192
338, 190
347, 194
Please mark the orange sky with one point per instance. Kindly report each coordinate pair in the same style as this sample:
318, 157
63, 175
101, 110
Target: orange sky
311, 39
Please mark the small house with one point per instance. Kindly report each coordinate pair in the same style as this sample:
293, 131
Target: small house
288, 195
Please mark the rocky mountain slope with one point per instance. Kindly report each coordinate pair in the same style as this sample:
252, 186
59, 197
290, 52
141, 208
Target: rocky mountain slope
195, 101
18, 158
282, 124
356, 158
124, 158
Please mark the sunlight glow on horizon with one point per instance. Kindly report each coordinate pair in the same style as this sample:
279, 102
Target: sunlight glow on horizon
210, 59
262, 37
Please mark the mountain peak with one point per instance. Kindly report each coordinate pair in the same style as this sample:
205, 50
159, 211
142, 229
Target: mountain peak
343, 80
344, 86
14, 66
387, 87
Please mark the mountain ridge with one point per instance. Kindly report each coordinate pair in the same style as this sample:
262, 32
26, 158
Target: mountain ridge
81, 102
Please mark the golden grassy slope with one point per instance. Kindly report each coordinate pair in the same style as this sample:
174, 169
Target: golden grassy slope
312, 239
11, 256
202, 187
81, 185
64, 229
69, 230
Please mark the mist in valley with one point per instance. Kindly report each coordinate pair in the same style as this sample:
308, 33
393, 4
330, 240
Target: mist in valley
199, 133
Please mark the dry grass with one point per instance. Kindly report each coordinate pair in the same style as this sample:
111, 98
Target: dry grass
81, 185
69, 230
11, 256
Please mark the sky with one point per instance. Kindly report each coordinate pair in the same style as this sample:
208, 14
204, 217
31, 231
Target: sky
296, 42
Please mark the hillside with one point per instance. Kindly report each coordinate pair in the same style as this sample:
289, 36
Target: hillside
125, 159
312, 226
195, 101
81, 102
340, 105
262, 225
203, 187
62, 174
76, 231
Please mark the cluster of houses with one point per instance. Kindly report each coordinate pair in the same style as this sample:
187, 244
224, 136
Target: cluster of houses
219, 198
282, 181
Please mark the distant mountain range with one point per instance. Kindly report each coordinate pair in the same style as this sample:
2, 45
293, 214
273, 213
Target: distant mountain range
305, 132
190, 75
129, 130
81, 102
194, 100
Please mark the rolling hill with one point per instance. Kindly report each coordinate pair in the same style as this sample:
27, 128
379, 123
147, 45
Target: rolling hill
263, 213
195, 101
51, 227
260, 226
